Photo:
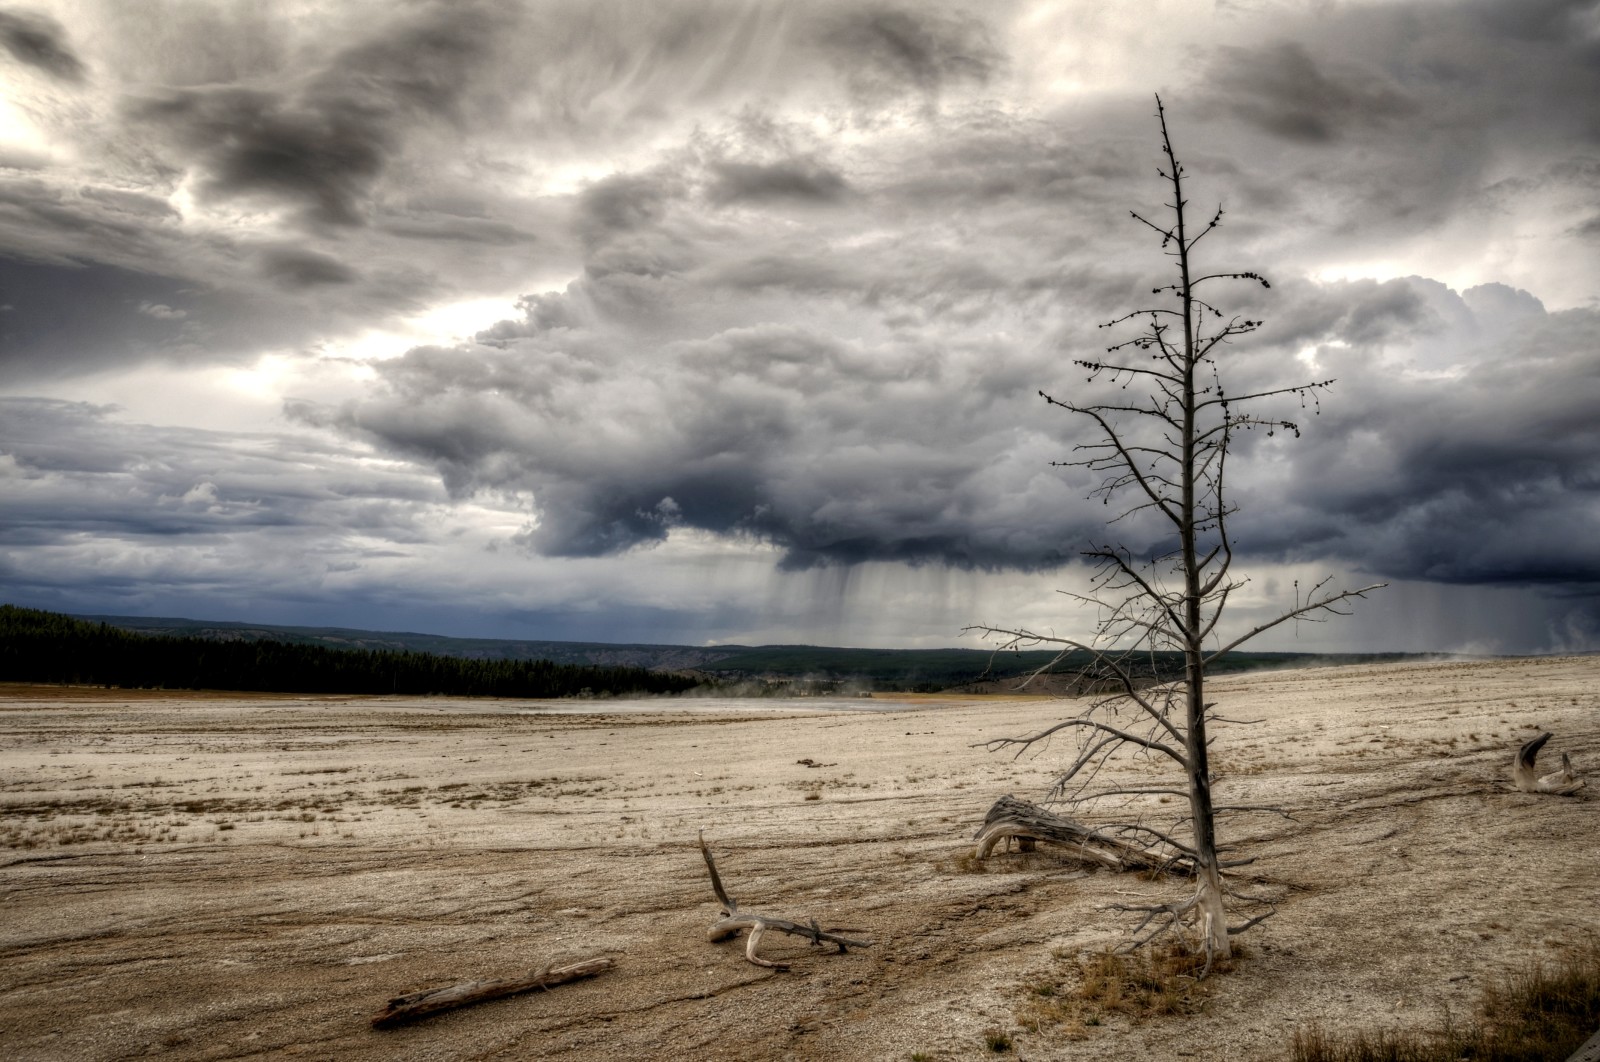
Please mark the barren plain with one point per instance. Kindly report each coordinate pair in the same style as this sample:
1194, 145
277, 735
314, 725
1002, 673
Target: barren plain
202, 876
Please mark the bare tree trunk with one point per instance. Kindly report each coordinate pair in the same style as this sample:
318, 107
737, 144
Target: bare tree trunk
1214, 925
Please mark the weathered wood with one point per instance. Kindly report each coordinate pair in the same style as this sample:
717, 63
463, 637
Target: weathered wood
1589, 1052
1525, 775
734, 920
415, 1005
1010, 817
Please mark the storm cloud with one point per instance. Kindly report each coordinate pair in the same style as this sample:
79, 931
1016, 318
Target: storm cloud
1463, 448
597, 293
1458, 444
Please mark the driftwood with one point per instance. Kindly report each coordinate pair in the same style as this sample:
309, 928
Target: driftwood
733, 920
1010, 817
415, 1005
1525, 776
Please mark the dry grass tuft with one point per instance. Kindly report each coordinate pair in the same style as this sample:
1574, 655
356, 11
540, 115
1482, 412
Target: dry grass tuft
1537, 1013
1154, 982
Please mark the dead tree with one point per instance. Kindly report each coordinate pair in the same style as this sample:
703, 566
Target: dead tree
734, 920
1027, 823
1161, 450
1525, 775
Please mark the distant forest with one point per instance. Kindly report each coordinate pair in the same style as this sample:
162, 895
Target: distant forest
38, 646
729, 670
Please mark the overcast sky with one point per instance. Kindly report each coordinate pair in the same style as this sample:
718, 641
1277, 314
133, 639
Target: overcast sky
724, 321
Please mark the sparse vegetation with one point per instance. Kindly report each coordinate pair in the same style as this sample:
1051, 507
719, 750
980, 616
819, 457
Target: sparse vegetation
1542, 1012
1159, 981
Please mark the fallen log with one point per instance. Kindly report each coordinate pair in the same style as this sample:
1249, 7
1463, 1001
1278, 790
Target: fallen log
1525, 775
733, 920
1013, 818
430, 1001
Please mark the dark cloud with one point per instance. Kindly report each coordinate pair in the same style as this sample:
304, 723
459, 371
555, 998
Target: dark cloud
323, 156
484, 231
46, 331
110, 226
106, 515
304, 269
1460, 432
72, 469
40, 42
885, 51
1286, 92
223, 131
803, 180
1426, 105
624, 203
1365, 312
68, 319
1537, 20
1464, 452
834, 446
322, 146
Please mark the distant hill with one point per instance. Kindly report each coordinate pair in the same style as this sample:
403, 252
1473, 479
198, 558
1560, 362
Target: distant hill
746, 668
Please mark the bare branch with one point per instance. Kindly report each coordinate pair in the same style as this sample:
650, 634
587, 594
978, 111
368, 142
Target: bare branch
1327, 604
995, 744
734, 920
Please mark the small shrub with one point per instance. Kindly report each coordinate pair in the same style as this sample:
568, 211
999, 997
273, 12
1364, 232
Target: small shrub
997, 1040
1153, 982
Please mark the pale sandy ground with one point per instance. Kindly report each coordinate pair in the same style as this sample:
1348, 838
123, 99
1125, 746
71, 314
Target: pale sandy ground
222, 877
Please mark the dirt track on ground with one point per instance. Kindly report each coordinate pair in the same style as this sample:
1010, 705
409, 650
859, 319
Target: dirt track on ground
195, 876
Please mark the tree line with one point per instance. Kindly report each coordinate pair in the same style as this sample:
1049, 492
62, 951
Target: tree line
39, 646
